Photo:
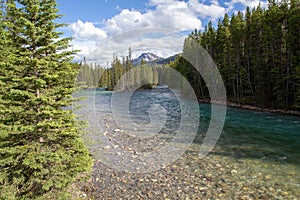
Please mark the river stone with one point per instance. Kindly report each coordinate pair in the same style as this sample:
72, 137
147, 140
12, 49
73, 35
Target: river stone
106, 147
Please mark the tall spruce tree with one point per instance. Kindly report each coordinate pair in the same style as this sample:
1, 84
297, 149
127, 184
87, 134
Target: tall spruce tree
257, 54
41, 150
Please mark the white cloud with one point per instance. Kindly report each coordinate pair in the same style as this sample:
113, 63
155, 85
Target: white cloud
161, 41
86, 30
84, 46
169, 14
215, 2
213, 10
160, 2
126, 20
156, 28
249, 3
177, 16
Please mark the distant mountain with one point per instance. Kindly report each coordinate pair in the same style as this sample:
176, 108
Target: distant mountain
147, 57
152, 59
166, 60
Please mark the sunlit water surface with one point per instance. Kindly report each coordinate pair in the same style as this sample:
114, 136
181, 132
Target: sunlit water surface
261, 144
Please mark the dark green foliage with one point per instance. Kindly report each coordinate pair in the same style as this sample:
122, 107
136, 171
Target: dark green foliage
41, 150
257, 54
125, 77
89, 75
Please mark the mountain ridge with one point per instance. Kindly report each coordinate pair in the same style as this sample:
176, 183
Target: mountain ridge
152, 59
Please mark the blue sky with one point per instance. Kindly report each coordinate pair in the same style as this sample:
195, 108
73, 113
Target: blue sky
102, 28
95, 10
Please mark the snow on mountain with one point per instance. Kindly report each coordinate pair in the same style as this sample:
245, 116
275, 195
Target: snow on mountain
147, 57
152, 58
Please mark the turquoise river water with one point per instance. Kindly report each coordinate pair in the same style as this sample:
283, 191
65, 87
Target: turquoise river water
268, 143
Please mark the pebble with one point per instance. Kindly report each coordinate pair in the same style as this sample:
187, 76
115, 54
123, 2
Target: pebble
202, 188
245, 198
106, 148
268, 177
118, 153
213, 177
83, 195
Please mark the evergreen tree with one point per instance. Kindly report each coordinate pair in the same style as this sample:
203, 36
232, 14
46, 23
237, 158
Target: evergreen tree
257, 54
42, 151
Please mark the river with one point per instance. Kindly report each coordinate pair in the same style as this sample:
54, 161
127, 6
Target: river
262, 145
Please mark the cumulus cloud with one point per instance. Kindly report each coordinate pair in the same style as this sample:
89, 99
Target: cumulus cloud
86, 30
247, 3
84, 47
126, 20
215, 2
164, 42
169, 14
213, 10
160, 2
176, 15
135, 29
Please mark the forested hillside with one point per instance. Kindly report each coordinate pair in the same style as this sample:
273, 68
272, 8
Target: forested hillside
257, 53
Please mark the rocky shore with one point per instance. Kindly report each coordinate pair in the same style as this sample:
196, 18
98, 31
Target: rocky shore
217, 176
261, 109
254, 108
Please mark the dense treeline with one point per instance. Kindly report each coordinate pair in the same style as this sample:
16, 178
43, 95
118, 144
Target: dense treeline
41, 150
257, 53
89, 74
122, 74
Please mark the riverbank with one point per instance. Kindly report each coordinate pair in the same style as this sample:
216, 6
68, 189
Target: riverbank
261, 109
254, 108
189, 178
220, 175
